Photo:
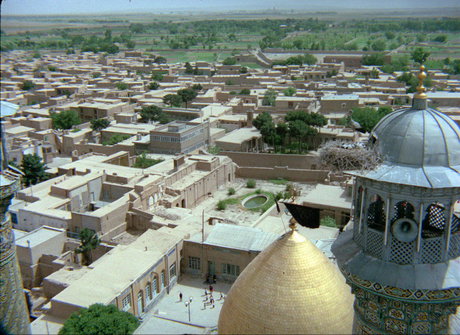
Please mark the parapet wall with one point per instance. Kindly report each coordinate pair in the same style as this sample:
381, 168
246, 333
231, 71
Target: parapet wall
254, 159
301, 175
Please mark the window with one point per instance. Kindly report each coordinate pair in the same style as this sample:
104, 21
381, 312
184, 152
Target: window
126, 302
376, 213
435, 221
162, 279
154, 286
403, 209
172, 271
148, 292
230, 269
194, 263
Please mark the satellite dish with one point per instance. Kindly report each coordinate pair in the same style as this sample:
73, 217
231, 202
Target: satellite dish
405, 230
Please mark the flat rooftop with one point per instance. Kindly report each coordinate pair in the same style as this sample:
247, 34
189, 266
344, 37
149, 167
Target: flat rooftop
327, 196
115, 271
240, 135
38, 236
238, 237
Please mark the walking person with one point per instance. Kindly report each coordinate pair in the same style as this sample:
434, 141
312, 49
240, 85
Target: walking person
180, 296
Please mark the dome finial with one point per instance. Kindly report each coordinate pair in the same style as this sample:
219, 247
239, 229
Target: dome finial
293, 224
420, 88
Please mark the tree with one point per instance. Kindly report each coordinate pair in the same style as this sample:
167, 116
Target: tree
88, 241
160, 60
262, 119
130, 44
153, 113
229, 61
121, 86
440, 38
34, 169
28, 85
188, 68
245, 91
269, 97
289, 92
100, 319
154, 85
187, 95
99, 124
157, 77
378, 45
419, 55
197, 87
368, 117
373, 59
173, 100
65, 119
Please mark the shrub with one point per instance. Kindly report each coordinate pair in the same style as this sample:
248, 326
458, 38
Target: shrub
28, 85
221, 205
121, 86
231, 191
328, 222
258, 191
251, 183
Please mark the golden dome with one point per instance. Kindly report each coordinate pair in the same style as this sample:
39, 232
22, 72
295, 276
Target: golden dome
291, 287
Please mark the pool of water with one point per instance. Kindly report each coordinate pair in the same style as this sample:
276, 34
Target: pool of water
255, 201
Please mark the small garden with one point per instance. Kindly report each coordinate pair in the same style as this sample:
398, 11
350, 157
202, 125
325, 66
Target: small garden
264, 206
223, 204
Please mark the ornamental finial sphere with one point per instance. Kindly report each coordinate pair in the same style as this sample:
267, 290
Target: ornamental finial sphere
420, 88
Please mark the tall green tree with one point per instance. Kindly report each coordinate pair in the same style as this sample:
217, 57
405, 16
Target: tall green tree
173, 100
34, 169
419, 55
101, 320
368, 117
269, 97
99, 124
88, 242
65, 119
154, 113
28, 85
262, 119
187, 95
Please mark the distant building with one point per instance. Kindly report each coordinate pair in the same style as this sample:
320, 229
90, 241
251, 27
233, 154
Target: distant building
175, 137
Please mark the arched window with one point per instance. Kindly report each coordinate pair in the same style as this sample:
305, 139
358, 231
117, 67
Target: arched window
376, 213
403, 209
435, 220
455, 225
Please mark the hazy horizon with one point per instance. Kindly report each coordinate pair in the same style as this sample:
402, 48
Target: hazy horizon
66, 7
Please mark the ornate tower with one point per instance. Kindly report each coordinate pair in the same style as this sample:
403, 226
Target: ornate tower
14, 317
400, 254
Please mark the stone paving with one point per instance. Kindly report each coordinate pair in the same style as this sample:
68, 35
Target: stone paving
170, 315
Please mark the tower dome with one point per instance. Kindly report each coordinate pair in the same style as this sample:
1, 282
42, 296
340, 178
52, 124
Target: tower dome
419, 146
291, 287
418, 138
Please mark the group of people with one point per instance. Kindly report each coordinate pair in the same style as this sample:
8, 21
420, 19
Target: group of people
209, 299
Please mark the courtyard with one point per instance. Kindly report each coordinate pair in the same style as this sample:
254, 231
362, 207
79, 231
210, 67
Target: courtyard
171, 316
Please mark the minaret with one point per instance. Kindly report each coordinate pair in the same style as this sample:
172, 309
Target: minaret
14, 318
400, 253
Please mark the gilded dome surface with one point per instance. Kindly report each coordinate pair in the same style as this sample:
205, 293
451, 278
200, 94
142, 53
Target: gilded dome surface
289, 288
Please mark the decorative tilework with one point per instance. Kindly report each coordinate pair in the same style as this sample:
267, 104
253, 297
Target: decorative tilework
13, 309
